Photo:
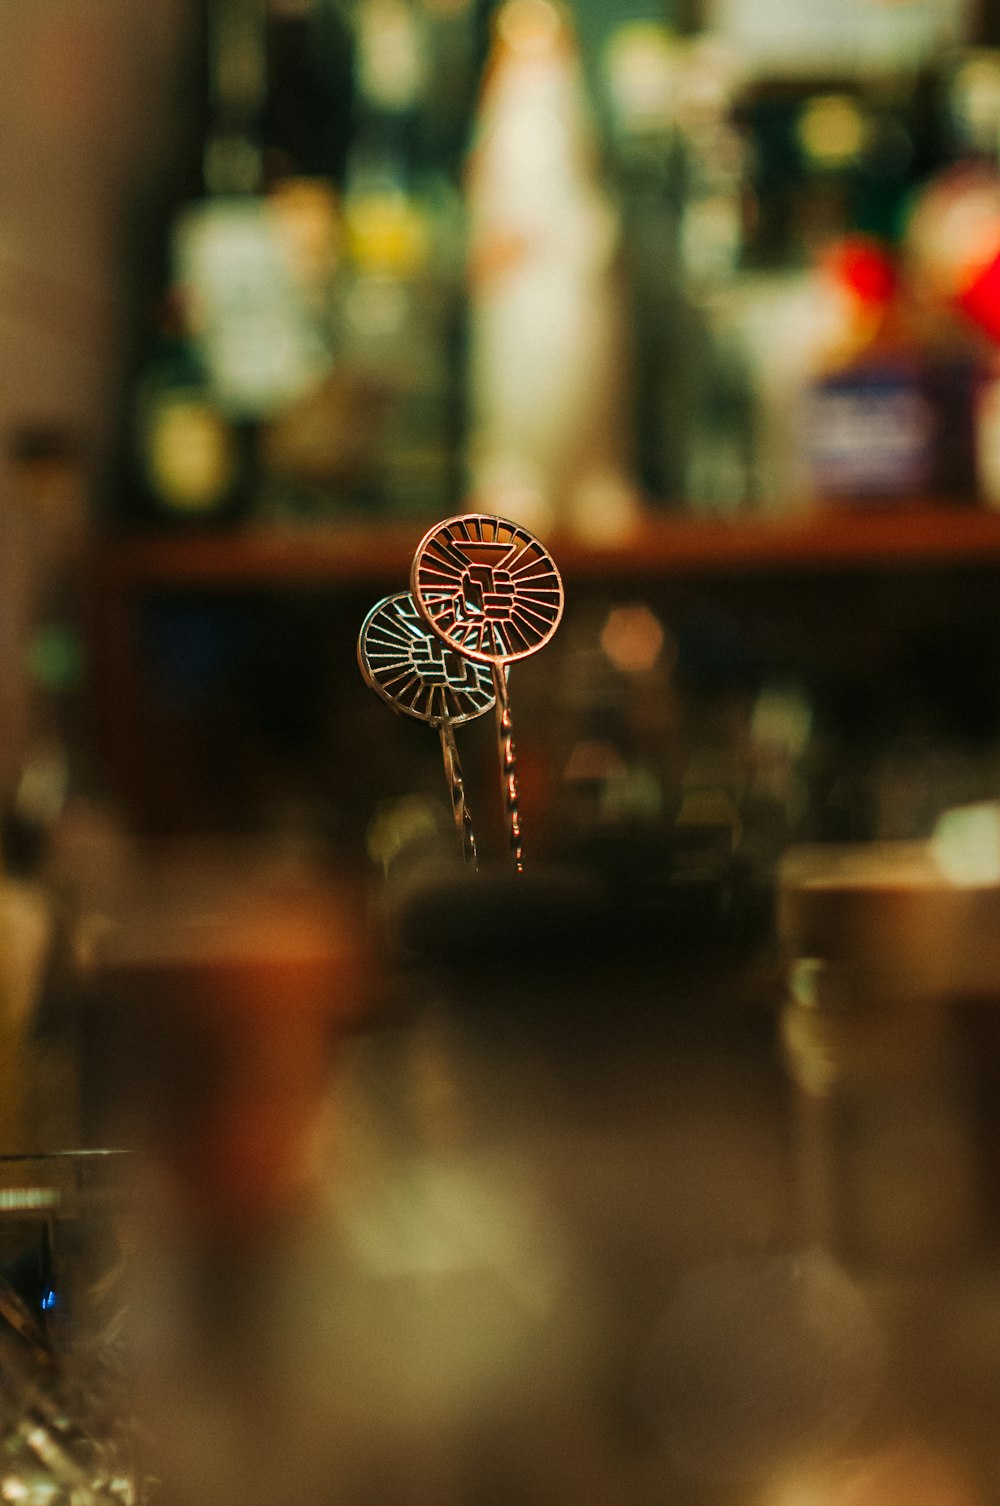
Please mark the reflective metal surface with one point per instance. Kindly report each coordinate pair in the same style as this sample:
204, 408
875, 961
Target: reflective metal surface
492, 592
416, 673
410, 667
488, 587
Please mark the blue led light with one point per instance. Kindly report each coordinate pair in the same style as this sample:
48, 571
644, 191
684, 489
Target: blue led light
48, 1300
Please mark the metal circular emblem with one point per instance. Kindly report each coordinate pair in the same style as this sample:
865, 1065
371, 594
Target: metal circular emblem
487, 587
415, 671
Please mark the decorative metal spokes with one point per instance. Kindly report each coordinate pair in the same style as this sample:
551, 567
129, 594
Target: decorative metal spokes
416, 673
483, 592
492, 592
487, 587
413, 669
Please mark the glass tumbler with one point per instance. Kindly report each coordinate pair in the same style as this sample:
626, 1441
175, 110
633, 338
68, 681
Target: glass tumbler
67, 1436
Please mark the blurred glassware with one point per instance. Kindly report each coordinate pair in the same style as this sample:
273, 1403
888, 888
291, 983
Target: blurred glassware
876, 939
222, 986
67, 1434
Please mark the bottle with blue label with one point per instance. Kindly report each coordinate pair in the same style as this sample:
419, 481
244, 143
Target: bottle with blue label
867, 422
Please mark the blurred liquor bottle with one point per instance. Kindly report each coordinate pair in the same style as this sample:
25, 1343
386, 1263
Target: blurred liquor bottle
718, 475
229, 332
863, 387
953, 244
382, 431
644, 156
548, 402
834, 162
948, 237
187, 454
868, 423
399, 307
678, 158
237, 330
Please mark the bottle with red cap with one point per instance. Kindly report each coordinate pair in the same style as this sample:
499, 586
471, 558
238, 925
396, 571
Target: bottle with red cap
951, 246
868, 426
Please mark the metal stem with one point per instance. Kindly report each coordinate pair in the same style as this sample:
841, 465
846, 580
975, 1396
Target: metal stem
456, 788
508, 766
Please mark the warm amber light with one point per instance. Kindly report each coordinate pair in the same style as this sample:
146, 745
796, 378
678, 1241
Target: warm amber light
632, 638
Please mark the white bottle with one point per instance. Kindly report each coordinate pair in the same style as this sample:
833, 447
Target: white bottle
548, 400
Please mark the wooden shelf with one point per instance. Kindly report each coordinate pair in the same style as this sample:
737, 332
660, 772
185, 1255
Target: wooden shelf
917, 535
151, 751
